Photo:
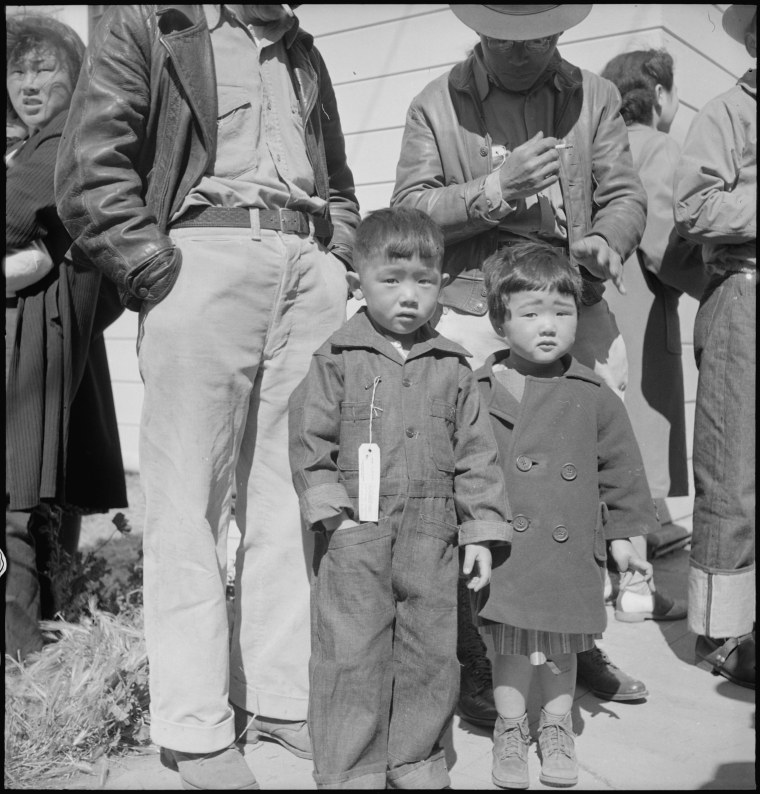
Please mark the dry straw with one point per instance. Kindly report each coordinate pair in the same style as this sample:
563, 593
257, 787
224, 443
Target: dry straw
84, 697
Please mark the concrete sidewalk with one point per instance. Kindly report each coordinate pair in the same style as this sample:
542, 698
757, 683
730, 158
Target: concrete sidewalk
694, 731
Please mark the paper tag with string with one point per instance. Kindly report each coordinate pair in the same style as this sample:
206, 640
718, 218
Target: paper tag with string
369, 470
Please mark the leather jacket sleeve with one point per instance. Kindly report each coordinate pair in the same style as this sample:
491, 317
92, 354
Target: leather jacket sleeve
100, 190
460, 207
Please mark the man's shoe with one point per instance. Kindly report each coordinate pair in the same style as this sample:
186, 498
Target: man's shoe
476, 704
224, 770
292, 735
633, 607
556, 743
733, 658
605, 680
511, 740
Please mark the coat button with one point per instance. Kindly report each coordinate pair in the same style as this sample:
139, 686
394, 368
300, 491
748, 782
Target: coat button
142, 292
569, 472
406, 382
524, 463
521, 523
483, 151
409, 432
560, 534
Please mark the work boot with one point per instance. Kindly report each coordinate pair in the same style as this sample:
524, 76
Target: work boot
476, 704
605, 680
733, 658
556, 744
511, 740
225, 770
293, 735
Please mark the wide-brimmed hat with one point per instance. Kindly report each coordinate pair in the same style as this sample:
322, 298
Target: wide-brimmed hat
736, 18
520, 22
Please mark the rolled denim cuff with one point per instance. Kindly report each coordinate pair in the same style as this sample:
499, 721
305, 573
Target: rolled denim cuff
323, 501
485, 532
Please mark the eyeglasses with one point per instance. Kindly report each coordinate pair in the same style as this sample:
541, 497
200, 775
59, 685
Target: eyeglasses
532, 45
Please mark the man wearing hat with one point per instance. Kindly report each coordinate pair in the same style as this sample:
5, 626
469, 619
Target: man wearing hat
515, 143
204, 170
715, 204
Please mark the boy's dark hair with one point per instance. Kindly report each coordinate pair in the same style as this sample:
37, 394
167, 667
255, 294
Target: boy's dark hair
636, 74
528, 267
398, 233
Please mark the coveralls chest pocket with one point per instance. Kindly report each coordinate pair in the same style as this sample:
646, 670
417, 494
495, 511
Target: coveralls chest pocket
442, 423
355, 430
236, 150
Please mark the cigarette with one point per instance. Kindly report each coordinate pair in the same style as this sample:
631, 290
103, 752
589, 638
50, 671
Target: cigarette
563, 145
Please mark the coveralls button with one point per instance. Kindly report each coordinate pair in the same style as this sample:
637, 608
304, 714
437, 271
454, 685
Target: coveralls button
560, 534
524, 463
521, 523
569, 472
406, 382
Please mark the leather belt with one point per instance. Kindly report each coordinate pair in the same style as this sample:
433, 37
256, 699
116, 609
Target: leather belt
287, 221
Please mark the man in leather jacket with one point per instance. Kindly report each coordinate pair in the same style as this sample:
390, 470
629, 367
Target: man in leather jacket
203, 169
515, 143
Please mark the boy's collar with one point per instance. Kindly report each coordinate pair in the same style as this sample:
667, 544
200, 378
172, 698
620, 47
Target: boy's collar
359, 332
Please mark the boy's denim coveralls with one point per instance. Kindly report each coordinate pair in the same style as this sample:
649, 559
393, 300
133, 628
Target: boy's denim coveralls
383, 671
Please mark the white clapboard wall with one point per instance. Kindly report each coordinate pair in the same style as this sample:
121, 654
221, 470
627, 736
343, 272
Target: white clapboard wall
381, 55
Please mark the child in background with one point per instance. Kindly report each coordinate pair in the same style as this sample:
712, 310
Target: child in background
395, 465
575, 481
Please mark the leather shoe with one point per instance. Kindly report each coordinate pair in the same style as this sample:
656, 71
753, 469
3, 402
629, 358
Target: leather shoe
607, 681
225, 770
733, 658
292, 735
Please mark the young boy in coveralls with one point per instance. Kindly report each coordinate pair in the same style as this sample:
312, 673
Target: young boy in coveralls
395, 465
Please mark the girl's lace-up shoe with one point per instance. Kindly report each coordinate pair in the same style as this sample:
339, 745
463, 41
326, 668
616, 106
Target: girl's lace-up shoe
511, 739
556, 743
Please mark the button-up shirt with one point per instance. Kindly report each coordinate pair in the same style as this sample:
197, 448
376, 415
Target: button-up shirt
261, 159
422, 411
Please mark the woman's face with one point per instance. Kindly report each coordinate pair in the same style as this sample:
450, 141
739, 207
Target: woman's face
39, 87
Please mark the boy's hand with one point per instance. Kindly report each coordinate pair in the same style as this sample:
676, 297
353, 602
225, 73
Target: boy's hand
473, 553
341, 521
626, 557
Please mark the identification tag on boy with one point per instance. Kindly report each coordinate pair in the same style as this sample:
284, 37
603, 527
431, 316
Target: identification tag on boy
369, 482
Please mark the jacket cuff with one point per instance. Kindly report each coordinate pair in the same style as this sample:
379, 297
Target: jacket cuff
323, 501
490, 532
153, 280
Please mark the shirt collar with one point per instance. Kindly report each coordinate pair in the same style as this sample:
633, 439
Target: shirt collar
286, 28
484, 82
574, 368
359, 332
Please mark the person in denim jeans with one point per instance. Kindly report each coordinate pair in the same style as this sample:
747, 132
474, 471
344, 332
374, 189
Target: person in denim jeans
715, 204
384, 675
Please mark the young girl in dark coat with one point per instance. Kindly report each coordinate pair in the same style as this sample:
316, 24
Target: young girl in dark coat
575, 480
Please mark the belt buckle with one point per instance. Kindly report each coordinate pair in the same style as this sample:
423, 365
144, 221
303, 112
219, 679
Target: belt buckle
290, 221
